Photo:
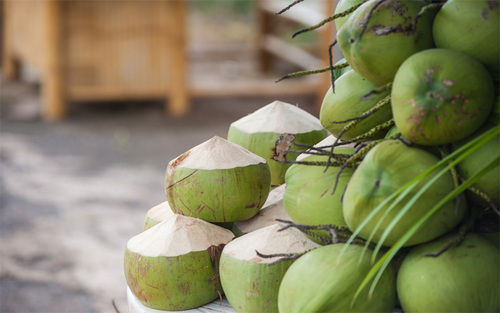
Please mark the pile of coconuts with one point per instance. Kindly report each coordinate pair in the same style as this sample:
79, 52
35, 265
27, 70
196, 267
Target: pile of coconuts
389, 201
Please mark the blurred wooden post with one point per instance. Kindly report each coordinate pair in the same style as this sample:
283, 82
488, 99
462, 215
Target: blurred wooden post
178, 98
10, 66
53, 99
263, 28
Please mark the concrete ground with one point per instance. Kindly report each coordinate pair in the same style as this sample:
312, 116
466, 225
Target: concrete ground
73, 192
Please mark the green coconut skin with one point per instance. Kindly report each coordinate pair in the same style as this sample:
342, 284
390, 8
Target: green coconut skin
464, 278
346, 103
385, 169
441, 96
470, 27
489, 183
251, 287
339, 72
148, 223
323, 280
171, 283
343, 5
263, 143
222, 195
377, 56
308, 195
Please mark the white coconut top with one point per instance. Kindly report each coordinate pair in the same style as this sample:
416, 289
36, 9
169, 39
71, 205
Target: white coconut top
268, 240
271, 210
160, 212
215, 153
278, 117
325, 142
178, 235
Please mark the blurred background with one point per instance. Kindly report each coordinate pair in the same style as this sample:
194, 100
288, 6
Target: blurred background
96, 97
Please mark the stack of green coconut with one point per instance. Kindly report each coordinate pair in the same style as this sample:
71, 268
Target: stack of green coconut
398, 207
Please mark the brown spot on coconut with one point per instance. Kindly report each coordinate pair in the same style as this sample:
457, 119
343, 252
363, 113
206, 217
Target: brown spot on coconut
218, 181
257, 282
174, 256
273, 209
259, 131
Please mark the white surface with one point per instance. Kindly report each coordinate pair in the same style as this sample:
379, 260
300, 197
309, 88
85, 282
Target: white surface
135, 306
278, 117
268, 240
160, 212
178, 235
215, 153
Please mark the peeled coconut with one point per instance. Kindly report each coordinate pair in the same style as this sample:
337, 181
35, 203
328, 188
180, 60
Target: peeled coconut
157, 214
465, 278
324, 280
251, 282
386, 168
173, 265
259, 131
217, 181
273, 209
308, 196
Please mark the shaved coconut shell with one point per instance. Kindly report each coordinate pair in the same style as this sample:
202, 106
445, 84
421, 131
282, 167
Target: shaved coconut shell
273, 209
157, 214
172, 266
217, 181
251, 282
178, 235
259, 131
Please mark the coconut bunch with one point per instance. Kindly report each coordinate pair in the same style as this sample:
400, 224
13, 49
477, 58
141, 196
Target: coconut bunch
408, 188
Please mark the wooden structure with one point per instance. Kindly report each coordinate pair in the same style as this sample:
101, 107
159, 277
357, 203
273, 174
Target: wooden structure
118, 50
99, 50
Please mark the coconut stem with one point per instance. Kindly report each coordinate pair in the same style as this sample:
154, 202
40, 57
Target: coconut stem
485, 198
288, 7
378, 90
336, 233
369, 134
366, 114
282, 256
328, 19
330, 62
310, 72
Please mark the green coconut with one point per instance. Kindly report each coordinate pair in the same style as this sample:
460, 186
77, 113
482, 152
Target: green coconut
465, 278
344, 5
392, 133
172, 265
377, 51
348, 102
217, 181
385, 169
339, 72
324, 280
489, 183
259, 131
251, 282
272, 210
470, 27
441, 96
308, 197
157, 214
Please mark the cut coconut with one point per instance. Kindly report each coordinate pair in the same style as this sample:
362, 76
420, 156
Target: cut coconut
217, 181
259, 131
251, 282
273, 209
157, 214
172, 265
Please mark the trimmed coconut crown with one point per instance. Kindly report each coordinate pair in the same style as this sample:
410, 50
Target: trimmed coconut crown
278, 117
216, 153
178, 235
268, 240
271, 210
160, 212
